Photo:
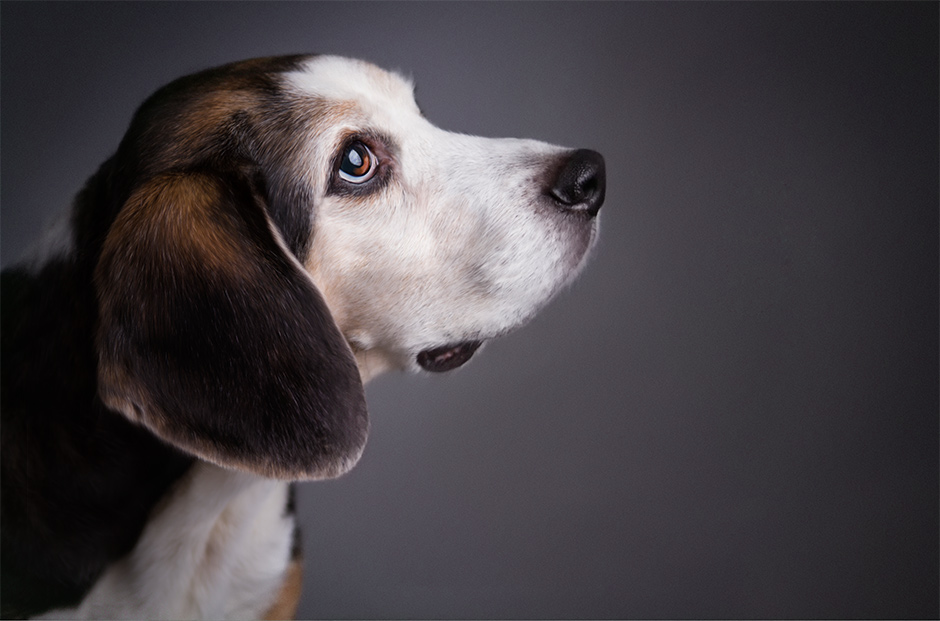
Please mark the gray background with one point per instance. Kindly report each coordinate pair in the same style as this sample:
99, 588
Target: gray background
734, 412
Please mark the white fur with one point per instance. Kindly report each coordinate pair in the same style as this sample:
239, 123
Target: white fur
216, 549
460, 245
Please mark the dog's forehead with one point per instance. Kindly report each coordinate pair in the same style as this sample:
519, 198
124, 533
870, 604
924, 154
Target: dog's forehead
339, 79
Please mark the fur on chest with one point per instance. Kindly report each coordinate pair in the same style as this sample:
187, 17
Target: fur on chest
219, 546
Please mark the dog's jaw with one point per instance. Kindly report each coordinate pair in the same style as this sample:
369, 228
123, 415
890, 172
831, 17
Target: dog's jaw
372, 363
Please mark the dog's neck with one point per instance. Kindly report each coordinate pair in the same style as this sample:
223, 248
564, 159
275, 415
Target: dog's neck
230, 523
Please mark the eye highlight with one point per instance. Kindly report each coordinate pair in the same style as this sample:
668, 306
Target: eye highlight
358, 164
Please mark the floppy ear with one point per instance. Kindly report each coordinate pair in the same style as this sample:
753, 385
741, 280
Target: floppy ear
213, 336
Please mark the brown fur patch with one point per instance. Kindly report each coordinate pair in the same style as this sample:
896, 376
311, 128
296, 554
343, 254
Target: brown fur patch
184, 210
285, 606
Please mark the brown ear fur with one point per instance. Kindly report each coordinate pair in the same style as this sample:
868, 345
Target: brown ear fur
213, 336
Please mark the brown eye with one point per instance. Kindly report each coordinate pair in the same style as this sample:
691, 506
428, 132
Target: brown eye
358, 164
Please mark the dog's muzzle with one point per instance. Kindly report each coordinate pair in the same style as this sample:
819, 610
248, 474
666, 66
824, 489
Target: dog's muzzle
578, 188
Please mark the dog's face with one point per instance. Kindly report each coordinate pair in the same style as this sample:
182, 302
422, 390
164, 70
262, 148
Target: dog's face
322, 171
433, 241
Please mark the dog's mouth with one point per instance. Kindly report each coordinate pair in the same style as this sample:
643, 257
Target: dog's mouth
447, 357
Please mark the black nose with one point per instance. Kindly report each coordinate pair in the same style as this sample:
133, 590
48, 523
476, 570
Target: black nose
581, 183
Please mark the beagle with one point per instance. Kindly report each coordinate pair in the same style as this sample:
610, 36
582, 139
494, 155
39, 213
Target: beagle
268, 236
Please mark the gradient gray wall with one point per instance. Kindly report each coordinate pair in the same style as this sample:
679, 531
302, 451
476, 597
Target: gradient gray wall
733, 413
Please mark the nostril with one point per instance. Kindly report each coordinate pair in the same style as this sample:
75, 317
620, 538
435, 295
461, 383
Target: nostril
589, 187
580, 184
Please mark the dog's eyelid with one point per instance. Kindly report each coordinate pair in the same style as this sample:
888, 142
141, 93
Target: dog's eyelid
377, 143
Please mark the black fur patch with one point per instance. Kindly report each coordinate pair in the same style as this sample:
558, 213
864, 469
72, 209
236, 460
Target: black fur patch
78, 480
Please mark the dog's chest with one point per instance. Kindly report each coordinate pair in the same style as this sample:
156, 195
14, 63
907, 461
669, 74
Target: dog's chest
217, 547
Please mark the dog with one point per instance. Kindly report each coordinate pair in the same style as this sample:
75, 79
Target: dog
195, 335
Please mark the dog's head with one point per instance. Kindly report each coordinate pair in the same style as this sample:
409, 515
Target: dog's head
281, 220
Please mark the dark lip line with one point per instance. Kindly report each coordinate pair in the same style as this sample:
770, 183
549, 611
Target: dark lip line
447, 357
